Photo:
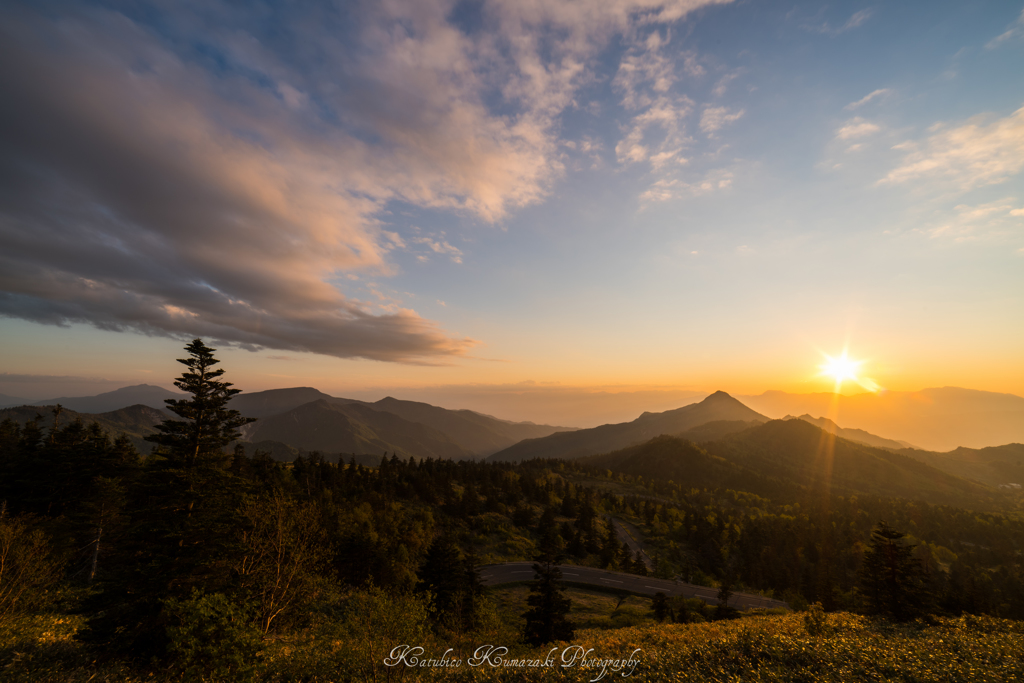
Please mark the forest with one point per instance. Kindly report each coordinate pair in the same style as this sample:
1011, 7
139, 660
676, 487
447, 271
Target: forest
200, 562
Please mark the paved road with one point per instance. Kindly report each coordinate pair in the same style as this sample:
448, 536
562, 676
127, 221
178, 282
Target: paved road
510, 572
628, 533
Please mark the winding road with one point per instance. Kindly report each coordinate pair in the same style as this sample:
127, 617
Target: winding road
512, 572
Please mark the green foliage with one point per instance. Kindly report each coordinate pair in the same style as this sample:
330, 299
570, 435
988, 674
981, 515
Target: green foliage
815, 620
28, 570
285, 550
892, 577
212, 636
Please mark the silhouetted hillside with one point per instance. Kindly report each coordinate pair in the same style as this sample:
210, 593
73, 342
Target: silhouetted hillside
856, 435
713, 431
353, 428
995, 466
675, 459
800, 452
935, 419
135, 421
479, 434
9, 401
140, 394
276, 401
720, 406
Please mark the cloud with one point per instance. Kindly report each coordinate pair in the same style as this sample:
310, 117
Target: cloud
440, 246
657, 133
856, 128
201, 175
968, 156
1015, 30
856, 20
714, 118
667, 189
869, 97
991, 221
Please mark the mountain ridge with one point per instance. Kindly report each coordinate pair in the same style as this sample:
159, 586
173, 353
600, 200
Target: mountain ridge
719, 406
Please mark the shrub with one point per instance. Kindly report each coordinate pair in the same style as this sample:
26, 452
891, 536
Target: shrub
28, 570
214, 636
815, 621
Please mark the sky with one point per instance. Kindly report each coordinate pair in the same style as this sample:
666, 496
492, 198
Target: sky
558, 199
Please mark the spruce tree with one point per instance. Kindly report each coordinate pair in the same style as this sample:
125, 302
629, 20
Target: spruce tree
183, 525
891, 578
546, 619
443, 574
661, 607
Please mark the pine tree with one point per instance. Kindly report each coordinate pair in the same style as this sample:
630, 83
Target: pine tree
443, 574
891, 578
660, 606
724, 611
546, 619
183, 524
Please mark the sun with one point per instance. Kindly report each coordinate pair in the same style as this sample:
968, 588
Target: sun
841, 369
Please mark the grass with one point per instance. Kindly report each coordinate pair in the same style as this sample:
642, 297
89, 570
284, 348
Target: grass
772, 648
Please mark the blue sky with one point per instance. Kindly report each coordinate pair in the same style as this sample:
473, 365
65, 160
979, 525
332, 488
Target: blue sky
633, 194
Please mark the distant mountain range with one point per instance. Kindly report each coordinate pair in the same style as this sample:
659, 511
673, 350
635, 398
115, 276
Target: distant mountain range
717, 407
302, 419
140, 394
305, 419
934, 419
6, 401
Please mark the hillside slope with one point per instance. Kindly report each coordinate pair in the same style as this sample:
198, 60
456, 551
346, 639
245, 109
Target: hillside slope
333, 428
717, 407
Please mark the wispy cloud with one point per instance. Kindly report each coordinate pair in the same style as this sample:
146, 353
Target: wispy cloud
856, 20
996, 220
713, 119
439, 245
972, 155
1016, 30
868, 98
856, 128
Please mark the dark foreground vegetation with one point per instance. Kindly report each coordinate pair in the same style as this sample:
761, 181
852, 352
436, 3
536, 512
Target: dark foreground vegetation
200, 562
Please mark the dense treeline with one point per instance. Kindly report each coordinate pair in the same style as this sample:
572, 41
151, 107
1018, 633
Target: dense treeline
195, 535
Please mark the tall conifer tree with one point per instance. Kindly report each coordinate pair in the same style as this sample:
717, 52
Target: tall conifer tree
184, 525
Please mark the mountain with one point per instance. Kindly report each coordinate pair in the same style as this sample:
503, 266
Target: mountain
480, 434
780, 458
135, 421
720, 406
276, 401
718, 429
935, 419
800, 452
995, 466
7, 401
676, 459
857, 435
332, 428
140, 394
